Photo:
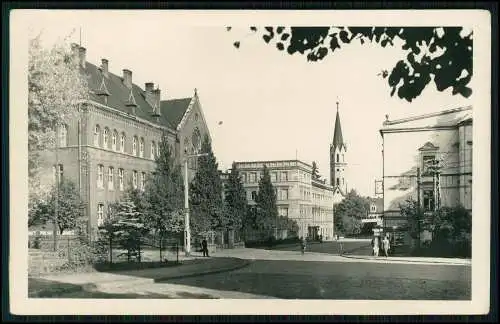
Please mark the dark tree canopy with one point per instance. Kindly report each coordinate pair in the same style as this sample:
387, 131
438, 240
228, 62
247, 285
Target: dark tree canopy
205, 192
439, 54
235, 199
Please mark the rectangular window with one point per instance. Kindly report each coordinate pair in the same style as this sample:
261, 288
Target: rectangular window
284, 194
243, 177
111, 185
274, 177
253, 177
134, 179
100, 214
143, 181
284, 176
428, 197
254, 195
120, 178
100, 176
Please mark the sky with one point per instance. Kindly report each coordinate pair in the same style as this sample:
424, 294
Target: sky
272, 105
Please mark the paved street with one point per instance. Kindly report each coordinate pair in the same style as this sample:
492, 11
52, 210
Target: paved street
342, 280
287, 275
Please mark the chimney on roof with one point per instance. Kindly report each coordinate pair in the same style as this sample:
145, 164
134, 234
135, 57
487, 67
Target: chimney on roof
75, 50
156, 105
105, 67
151, 96
127, 78
83, 56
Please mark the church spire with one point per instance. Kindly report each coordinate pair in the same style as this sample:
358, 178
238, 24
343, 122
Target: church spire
338, 140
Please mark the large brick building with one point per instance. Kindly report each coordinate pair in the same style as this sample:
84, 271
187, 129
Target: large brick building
113, 142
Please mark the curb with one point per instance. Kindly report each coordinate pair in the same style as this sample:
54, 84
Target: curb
407, 261
243, 264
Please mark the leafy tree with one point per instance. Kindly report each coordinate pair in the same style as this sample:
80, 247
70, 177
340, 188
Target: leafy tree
129, 227
69, 207
206, 194
164, 195
315, 172
414, 215
55, 88
349, 212
437, 54
235, 199
267, 211
451, 226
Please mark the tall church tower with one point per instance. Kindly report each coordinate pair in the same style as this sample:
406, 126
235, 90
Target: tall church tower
338, 158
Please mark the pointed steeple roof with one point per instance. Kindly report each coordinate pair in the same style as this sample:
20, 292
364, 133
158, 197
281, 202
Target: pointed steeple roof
338, 140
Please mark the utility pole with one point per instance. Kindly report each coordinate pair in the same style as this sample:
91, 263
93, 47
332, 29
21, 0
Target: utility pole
419, 209
58, 179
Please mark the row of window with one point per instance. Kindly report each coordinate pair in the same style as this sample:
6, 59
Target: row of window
138, 178
281, 194
116, 142
252, 177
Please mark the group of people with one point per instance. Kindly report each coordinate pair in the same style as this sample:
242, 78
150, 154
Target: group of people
381, 244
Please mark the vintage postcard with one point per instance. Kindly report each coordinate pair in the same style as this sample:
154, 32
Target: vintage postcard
249, 162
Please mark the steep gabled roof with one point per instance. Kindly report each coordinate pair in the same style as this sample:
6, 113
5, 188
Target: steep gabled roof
118, 94
173, 110
379, 204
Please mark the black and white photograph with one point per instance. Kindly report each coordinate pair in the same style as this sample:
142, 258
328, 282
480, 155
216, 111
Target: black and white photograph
168, 162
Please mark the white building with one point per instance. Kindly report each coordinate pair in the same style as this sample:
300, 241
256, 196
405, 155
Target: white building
299, 197
413, 144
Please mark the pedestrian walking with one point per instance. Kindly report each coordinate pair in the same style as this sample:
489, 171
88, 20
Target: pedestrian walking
376, 246
341, 247
386, 246
303, 245
204, 247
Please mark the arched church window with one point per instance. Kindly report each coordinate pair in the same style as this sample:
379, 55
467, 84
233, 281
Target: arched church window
337, 157
343, 158
196, 140
338, 181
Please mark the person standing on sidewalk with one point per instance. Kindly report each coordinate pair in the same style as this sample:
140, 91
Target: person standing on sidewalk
303, 245
386, 246
204, 247
376, 246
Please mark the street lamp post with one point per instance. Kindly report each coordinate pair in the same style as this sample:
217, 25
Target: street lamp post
187, 229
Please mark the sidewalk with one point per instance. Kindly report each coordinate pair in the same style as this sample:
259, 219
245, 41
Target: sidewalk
130, 278
262, 254
451, 261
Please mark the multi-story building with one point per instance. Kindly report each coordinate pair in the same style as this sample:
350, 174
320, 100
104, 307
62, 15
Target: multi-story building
299, 197
113, 142
436, 145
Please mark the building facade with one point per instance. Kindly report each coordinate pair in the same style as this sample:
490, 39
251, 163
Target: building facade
299, 197
338, 162
435, 148
112, 144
